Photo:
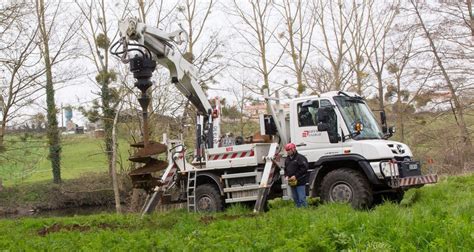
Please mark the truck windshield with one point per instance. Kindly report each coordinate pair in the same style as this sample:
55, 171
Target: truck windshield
354, 111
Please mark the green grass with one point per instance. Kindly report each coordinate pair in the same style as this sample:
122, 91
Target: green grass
437, 218
25, 159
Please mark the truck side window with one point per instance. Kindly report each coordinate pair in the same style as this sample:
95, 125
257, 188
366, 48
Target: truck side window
307, 113
332, 130
325, 103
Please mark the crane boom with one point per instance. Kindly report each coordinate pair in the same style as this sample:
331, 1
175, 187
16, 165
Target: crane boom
144, 47
163, 47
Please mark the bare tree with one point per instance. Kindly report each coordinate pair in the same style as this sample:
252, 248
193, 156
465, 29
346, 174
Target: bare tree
113, 169
333, 19
21, 70
359, 35
380, 23
453, 28
319, 78
470, 21
397, 66
458, 109
299, 32
10, 13
258, 31
195, 16
96, 33
54, 49
53, 131
409, 82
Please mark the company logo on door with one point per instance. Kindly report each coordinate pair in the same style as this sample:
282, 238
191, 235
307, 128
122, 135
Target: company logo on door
311, 133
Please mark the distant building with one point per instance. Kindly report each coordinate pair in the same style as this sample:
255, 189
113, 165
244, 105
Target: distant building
440, 101
252, 111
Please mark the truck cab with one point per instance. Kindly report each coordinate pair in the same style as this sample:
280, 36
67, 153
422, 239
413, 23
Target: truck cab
352, 159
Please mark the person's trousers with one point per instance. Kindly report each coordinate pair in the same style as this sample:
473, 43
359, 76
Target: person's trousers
299, 195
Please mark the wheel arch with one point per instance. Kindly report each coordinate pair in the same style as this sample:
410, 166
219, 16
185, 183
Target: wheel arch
212, 179
330, 163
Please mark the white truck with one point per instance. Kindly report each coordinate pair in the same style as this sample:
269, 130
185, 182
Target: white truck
350, 158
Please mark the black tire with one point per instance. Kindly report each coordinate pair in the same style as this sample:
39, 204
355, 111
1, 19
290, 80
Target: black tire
395, 197
347, 185
208, 199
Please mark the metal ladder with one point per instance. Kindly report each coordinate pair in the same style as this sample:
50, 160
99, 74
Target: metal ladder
191, 190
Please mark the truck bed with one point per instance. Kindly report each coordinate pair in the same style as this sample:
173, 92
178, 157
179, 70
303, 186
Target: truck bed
244, 155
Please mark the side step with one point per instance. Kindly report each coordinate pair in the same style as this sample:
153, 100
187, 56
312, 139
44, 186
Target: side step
241, 199
239, 175
241, 188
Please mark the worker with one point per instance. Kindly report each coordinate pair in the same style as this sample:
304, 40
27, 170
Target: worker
296, 173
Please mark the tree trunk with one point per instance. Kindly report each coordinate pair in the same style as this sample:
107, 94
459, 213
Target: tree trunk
2, 135
401, 119
380, 90
53, 131
359, 79
400, 108
113, 170
3, 126
471, 16
107, 119
135, 201
337, 81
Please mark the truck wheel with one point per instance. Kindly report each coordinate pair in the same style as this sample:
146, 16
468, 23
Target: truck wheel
347, 185
395, 197
208, 199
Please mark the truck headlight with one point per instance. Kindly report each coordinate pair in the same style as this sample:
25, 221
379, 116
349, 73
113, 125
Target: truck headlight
389, 169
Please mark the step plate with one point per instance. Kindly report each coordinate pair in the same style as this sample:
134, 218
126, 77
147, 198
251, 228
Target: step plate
239, 175
241, 188
242, 199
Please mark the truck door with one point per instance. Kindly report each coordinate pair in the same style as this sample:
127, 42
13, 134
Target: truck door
309, 141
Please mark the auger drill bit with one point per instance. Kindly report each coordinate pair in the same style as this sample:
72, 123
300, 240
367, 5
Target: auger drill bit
142, 68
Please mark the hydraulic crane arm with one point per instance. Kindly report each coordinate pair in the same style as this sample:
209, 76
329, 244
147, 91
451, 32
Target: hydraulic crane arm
162, 45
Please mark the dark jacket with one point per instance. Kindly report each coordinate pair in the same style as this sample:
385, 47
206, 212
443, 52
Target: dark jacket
297, 165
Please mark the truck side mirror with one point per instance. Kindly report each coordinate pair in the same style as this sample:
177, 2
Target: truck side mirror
383, 121
391, 130
323, 126
323, 118
323, 114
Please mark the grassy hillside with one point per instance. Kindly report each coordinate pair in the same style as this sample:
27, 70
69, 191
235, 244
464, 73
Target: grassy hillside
435, 136
25, 159
432, 218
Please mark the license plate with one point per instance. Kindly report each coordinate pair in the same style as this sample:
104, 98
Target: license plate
413, 166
